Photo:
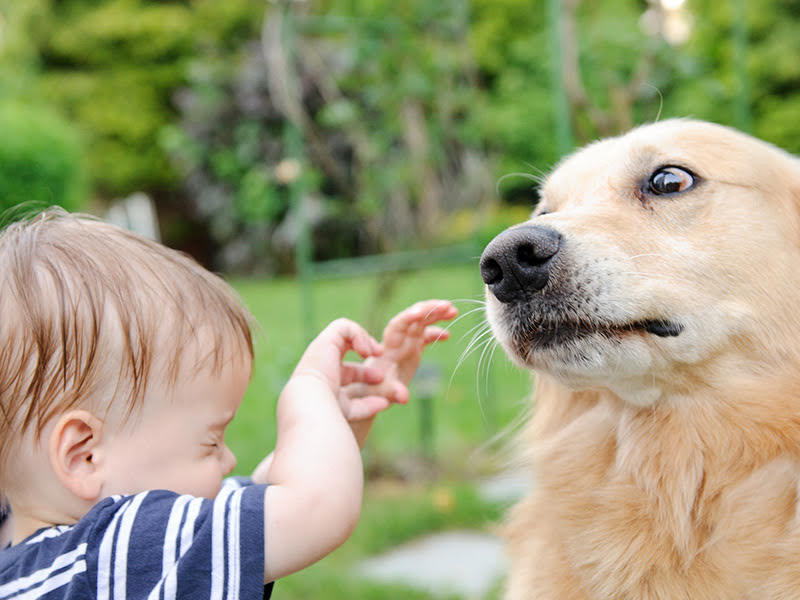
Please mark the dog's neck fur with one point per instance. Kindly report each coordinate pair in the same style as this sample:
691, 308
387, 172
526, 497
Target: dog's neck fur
671, 475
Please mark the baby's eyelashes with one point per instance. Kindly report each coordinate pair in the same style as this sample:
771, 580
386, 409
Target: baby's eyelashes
213, 444
209, 448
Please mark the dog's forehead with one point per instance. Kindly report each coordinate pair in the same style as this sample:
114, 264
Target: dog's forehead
707, 149
693, 143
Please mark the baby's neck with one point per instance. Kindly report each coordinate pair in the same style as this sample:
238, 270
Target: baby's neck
25, 523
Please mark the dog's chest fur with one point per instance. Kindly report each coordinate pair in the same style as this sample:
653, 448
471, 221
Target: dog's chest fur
692, 502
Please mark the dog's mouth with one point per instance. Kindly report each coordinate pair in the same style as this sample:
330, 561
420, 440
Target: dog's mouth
555, 333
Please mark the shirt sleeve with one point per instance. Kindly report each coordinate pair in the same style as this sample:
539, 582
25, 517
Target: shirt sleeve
159, 545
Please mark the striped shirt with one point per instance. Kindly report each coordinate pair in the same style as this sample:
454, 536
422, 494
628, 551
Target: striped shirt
156, 545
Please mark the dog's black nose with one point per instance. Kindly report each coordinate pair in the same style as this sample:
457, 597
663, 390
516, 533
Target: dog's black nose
517, 262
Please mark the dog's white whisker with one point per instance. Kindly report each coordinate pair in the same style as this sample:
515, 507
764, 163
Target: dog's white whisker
656, 255
461, 317
535, 178
660, 101
473, 300
472, 329
488, 366
485, 344
471, 347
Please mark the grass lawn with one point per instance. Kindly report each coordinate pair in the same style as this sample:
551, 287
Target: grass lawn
417, 482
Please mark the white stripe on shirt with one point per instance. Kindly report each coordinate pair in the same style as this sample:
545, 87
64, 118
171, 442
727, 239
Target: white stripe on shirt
233, 545
169, 576
187, 533
50, 532
44, 574
187, 537
55, 582
218, 544
121, 555
169, 554
171, 534
104, 555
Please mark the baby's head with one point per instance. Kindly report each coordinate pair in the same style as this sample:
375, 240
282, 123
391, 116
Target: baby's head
111, 341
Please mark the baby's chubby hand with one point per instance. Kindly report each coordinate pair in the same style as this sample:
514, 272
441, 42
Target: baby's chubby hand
386, 376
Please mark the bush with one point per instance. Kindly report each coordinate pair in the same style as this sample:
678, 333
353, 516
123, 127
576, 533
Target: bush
40, 159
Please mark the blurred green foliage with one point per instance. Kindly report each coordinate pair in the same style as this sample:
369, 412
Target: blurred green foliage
40, 159
380, 96
409, 112
114, 67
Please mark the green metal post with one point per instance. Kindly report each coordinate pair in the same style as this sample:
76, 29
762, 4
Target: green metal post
742, 104
293, 143
563, 128
426, 387
426, 421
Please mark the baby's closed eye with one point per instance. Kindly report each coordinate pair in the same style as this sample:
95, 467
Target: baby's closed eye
213, 444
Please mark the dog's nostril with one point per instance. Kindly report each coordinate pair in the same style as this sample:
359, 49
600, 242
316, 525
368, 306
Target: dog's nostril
526, 256
491, 272
536, 252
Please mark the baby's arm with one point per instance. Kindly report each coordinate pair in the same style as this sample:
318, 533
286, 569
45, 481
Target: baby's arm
316, 474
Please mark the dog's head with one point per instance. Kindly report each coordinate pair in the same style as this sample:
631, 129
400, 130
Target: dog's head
655, 261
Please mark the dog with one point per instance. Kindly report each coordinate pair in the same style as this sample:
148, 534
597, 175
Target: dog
655, 291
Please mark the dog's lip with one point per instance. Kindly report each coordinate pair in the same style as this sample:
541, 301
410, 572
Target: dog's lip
556, 332
661, 327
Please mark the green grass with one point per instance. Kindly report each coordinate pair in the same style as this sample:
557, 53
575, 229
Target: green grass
391, 515
409, 492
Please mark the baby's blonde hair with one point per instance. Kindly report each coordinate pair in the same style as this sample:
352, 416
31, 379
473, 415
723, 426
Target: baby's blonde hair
89, 311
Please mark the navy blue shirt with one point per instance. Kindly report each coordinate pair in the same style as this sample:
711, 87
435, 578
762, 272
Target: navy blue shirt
156, 545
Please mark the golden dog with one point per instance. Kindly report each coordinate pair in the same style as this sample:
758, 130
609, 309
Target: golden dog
656, 293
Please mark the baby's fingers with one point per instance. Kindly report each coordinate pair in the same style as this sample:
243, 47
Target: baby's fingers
360, 373
423, 313
366, 407
348, 335
435, 334
392, 390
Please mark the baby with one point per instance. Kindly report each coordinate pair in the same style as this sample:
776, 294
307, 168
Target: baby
122, 364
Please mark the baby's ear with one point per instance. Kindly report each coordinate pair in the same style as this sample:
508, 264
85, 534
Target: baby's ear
73, 442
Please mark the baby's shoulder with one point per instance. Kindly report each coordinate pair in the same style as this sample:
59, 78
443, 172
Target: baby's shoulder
136, 541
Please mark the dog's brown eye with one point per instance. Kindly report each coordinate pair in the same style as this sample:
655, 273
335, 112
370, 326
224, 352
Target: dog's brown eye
670, 180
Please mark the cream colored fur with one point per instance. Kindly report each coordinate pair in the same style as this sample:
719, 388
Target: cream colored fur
667, 467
